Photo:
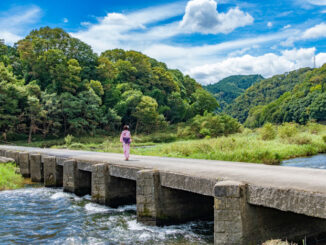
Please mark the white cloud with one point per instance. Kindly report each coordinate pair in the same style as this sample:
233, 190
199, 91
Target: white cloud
202, 16
65, 20
269, 24
317, 2
268, 64
287, 26
118, 30
13, 23
143, 31
318, 31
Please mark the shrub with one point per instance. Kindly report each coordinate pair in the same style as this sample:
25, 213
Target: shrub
314, 128
324, 138
268, 132
288, 130
211, 125
300, 140
68, 139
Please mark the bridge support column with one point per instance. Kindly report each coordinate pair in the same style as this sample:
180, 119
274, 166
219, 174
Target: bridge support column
229, 213
75, 180
2, 153
14, 155
158, 205
236, 222
53, 173
24, 164
36, 168
110, 190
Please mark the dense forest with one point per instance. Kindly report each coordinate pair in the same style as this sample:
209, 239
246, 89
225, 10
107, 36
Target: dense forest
53, 84
229, 88
298, 96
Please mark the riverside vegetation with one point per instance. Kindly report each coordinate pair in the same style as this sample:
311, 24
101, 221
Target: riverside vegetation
8, 177
270, 144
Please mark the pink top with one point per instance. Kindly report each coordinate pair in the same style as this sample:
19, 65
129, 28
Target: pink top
125, 134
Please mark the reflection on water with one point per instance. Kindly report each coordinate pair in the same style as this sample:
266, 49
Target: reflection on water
318, 161
50, 216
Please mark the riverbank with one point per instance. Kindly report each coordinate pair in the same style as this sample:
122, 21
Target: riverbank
8, 178
270, 144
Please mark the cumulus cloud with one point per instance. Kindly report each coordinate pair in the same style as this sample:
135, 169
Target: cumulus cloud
202, 16
269, 24
267, 65
318, 31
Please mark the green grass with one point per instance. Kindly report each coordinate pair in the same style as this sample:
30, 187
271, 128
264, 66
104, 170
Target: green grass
8, 178
248, 146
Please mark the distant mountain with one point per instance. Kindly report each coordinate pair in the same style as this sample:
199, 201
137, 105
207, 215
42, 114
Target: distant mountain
229, 88
297, 96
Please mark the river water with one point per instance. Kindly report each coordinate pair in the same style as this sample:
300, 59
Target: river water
50, 216
317, 161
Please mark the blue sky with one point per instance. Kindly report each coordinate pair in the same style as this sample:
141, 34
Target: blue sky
206, 39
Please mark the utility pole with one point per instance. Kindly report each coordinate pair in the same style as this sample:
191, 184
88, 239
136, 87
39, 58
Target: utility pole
314, 61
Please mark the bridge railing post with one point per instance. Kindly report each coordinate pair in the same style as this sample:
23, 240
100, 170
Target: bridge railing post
36, 167
53, 174
24, 164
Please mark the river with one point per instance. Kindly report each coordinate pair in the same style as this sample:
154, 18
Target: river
50, 216
317, 161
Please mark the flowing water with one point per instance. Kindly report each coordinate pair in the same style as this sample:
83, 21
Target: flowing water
50, 216
317, 161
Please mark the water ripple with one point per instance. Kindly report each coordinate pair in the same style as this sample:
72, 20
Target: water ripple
50, 216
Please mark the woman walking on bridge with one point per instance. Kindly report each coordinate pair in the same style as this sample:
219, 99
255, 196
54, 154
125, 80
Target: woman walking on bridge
125, 138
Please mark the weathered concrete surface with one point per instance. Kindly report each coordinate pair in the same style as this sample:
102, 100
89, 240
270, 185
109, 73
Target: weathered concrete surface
110, 190
53, 173
239, 223
158, 205
36, 167
200, 176
6, 160
24, 164
13, 154
75, 180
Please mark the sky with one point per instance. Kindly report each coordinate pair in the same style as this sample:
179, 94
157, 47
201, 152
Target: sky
206, 39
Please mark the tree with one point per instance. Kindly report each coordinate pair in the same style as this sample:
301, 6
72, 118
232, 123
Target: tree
204, 101
146, 114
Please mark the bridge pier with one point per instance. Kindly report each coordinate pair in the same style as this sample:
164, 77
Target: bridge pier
24, 164
236, 222
53, 173
159, 205
110, 190
36, 167
75, 180
14, 155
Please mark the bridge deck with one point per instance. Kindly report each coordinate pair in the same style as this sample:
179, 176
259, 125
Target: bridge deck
284, 188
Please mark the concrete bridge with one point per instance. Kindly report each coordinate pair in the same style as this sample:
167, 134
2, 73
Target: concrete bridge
249, 203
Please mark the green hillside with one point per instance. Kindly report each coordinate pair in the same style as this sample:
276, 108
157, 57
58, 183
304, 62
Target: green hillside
298, 96
226, 90
52, 84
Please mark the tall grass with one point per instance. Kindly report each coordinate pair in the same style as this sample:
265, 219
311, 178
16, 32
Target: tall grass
270, 144
244, 147
8, 178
